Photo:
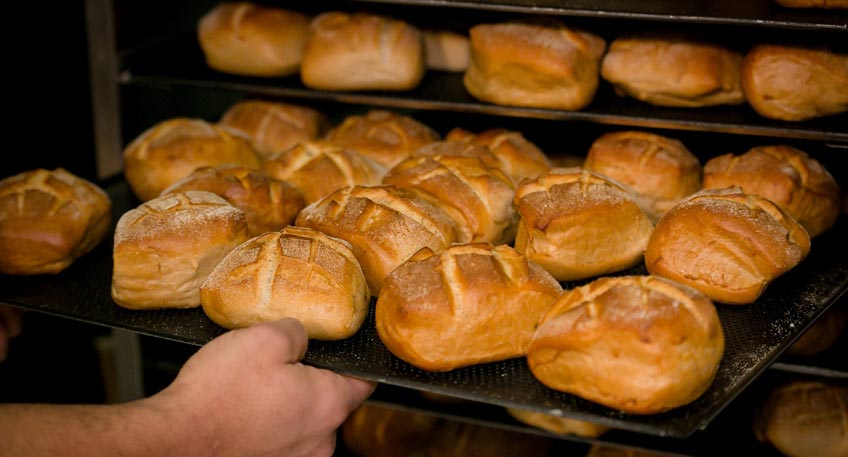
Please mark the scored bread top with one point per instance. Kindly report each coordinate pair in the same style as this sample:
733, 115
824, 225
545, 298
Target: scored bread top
382, 136
520, 159
273, 126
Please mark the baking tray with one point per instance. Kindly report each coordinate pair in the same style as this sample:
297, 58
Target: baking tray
755, 335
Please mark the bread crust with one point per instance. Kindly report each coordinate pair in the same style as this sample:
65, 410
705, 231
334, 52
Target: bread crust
274, 127
520, 159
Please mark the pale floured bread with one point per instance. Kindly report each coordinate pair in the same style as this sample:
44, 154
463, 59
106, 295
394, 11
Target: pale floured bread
376, 431
660, 171
318, 168
814, 3
296, 272
520, 159
274, 127
268, 204
446, 50
798, 183
462, 439
382, 136
822, 334
171, 150
728, 244
165, 248
556, 424
48, 219
639, 344
254, 40
384, 224
578, 224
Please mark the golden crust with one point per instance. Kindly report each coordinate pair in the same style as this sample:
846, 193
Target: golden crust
378, 431
273, 127
520, 159
556, 424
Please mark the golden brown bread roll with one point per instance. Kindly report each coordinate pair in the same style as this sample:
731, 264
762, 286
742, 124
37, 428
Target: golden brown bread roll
578, 224
814, 3
805, 419
599, 450
384, 224
362, 51
660, 171
822, 334
460, 149
382, 136
556, 424
458, 439
532, 65
674, 71
268, 204
377, 431
445, 50
728, 244
48, 219
520, 159
469, 304
248, 39
165, 248
798, 183
794, 83
171, 150
639, 344
273, 127
296, 272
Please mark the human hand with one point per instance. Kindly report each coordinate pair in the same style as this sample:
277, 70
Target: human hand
10, 327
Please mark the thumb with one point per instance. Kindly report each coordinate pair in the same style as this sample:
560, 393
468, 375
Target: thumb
286, 335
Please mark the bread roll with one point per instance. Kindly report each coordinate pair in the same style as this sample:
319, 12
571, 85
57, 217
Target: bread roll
598, 450
556, 424
805, 419
446, 50
167, 247
385, 225
362, 52
171, 150
273, 127
794, 83
578, 224
798, 183
535, 66
660, 171
639, 344
728, 244
376, 431
822, 334
382, 136
470, 304
460, 149
318, 168
48, 219
458, 439
520, 159
671, 71
296, 272
268, 204
814, 3
247, 39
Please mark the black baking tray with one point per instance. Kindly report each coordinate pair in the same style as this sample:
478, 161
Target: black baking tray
755, 335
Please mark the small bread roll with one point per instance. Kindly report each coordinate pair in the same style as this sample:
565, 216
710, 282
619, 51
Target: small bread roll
520, 159
462, 439
798, 183
273, 127
268, 204
485, 300
728, 244
794, 83
459, 149
556, 424
674, 71
167, 247
296, 272
814, 3
822, 334
385, 225
318, 168
535, 66
362, 52
639, 344
376, 431
171, 150
660, 171
805, 419
382, 136
48, 219
578, 224
445, 50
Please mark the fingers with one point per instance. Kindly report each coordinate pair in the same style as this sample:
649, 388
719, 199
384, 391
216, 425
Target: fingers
288, 334
360, 389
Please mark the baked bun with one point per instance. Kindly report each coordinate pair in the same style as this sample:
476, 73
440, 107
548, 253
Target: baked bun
814, 3
268, 204
660, 171
578, 224
483, 299
532, 65
556, 424
48, 219
362, 52
805, 419
318, 168
384, 224
798, 183
461, 439
598, 450
793, 83
459, 149
638, 344
382, 136
674, 71
167, 247
171, 150
520, 159
478, 198
728, 244
273, 127
822, 334
296, 272
376, 431
247, 39
445, 50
